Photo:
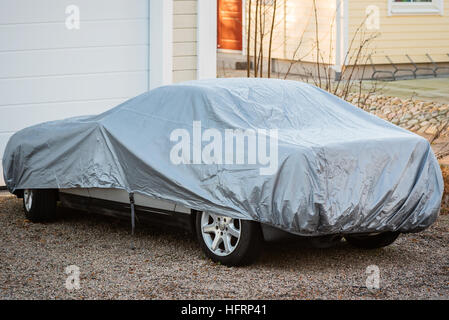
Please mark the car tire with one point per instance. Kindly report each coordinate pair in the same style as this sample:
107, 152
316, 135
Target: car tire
230, 250
372, 241
39, 204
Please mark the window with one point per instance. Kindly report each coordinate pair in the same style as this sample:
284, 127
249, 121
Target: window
409, 7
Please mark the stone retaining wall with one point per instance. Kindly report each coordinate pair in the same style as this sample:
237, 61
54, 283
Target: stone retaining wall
414, 115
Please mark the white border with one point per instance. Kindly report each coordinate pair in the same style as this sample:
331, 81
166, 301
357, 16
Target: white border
161, 43
415, 8
206, 39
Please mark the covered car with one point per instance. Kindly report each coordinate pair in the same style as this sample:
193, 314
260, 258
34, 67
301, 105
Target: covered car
276, 152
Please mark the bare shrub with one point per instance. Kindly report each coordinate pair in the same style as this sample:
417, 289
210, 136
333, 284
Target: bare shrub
352, 77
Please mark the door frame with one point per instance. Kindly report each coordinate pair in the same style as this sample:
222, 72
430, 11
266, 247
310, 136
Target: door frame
206, 39
161, 43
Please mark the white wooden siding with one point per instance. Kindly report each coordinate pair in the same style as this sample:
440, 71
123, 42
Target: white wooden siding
184, 40
48, 72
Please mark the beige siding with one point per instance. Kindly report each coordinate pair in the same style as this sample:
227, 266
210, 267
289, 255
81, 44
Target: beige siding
295, 27
414, 35
184, 40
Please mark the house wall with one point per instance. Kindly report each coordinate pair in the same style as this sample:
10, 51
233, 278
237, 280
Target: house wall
184, 40
295, 26
414, 34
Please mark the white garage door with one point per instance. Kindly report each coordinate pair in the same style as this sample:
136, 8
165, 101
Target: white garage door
50, 70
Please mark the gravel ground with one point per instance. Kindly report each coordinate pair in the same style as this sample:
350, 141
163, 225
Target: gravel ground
168, 264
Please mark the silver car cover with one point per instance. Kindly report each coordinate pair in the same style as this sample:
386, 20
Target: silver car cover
332, 168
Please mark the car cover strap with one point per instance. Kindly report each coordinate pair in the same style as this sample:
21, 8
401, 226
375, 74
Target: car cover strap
133, 215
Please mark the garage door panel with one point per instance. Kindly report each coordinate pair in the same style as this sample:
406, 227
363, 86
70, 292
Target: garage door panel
48, 72
4, 137
32, 114
56, 35
33, 11
72, 88
73, 61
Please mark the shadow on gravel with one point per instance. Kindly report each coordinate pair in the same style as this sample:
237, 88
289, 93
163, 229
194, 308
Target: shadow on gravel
296, 252
121, 226
342, 254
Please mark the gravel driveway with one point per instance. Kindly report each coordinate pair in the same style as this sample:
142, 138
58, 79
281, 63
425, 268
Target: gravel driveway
168, 264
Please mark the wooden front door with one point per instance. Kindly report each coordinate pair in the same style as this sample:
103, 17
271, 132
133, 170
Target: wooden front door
229, 24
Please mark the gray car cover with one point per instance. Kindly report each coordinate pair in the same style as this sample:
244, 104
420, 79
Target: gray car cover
313, 164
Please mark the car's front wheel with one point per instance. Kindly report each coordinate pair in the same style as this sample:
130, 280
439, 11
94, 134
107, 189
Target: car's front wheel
232, 242
372, 241
39, 204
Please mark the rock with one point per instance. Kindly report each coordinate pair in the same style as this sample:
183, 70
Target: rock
423, 128
395, 121
432, 130
412, 122
421, 118
396, 101
407, 116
